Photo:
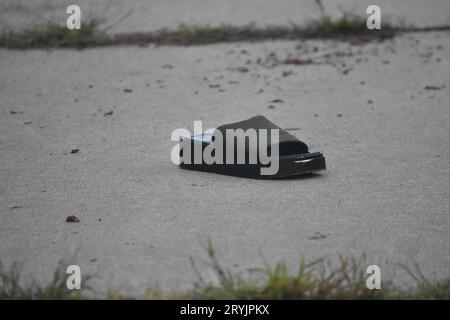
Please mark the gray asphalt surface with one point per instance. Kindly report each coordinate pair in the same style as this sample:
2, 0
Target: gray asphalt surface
378, 111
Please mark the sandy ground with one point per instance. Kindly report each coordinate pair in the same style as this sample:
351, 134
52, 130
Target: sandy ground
379, 112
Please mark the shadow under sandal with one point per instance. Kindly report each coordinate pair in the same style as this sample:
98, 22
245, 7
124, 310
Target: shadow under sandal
245, 157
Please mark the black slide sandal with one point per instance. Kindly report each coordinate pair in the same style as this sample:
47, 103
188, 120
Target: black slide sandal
294, 156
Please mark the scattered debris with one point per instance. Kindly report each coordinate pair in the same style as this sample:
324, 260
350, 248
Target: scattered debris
239, 69
317, 236
72, 218
434, 87
346, 71
298, 62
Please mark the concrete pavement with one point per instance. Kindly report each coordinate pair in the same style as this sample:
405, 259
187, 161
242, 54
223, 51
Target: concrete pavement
379, 112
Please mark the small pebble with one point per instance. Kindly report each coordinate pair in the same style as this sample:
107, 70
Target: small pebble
72, 218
